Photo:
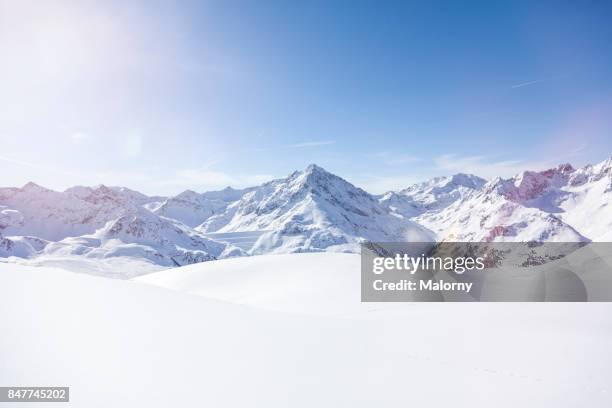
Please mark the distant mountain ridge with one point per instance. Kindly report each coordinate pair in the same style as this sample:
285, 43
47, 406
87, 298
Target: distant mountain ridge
431, 195
558, 204
308, 211
193, 208
97, 222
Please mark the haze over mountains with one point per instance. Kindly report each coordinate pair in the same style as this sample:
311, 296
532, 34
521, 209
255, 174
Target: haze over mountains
309, 211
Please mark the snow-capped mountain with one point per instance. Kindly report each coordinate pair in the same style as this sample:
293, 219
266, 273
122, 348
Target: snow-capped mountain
98, 222
142, 234
431, 196
193, 209
308, 211
312, 210
557, 204
55, 215
584, 201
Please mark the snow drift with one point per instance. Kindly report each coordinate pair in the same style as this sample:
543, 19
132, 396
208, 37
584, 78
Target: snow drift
125, 344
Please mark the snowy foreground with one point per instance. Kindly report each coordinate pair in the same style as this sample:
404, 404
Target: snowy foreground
290, 331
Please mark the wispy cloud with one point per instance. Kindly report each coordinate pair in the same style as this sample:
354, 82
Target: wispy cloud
300, 145
312, 144
483, 166
16, 161
199, 179
43, 174
204, 179
376, 184
537, 81
35, 165
394, 158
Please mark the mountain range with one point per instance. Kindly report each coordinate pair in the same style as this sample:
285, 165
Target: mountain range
308, 211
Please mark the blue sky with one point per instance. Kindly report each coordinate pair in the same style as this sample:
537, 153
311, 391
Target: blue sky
162, 97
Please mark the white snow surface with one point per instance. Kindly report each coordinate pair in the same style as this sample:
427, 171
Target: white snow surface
314, 283
126, 344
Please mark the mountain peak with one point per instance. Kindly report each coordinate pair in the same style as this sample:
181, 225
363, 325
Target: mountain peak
313, 168
565, 168
603, 166
102, 189
312, 176
33, 187
467, 180
316, 177
187, 195
446, 184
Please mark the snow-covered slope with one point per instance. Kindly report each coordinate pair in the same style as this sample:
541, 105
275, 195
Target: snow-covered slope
22, 246
125, 344
585, 202
322, 283
312, 210
8, 217
145, 236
